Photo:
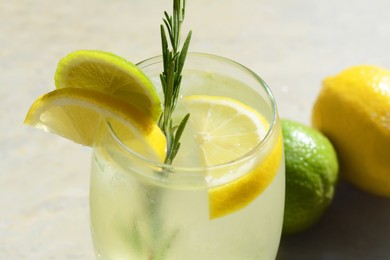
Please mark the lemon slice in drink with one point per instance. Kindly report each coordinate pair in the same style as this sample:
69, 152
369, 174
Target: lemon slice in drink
77, 114
110, 74
226, 130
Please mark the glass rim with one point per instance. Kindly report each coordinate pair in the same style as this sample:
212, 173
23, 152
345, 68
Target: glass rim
172, 168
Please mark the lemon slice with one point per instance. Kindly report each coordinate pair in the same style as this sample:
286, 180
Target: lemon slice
77, 114
226, 130
110, 74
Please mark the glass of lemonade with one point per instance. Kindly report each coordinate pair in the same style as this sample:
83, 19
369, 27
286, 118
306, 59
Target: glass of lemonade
142, 209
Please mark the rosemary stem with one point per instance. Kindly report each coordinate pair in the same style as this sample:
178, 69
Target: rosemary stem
173, 63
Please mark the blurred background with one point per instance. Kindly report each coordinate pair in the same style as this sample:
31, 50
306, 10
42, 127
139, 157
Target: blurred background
292, 45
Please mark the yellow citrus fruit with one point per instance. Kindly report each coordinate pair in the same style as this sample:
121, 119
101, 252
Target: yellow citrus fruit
353, 111
77, 114
226, 130
311, 175
110, 74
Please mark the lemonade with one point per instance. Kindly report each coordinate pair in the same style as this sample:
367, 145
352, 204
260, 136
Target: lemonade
187, 160
196, 208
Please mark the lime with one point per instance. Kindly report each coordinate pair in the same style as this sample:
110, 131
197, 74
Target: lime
311, 174
224, 130
110, 74
353, 111
77, 114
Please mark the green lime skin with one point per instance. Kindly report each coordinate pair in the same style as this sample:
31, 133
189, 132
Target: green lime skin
311, 175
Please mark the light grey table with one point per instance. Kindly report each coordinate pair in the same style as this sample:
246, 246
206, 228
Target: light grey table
292, 44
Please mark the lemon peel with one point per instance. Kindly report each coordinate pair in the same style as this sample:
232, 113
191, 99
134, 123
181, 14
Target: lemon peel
236, 195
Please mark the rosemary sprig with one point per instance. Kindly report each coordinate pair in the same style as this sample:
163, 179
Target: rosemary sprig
173, 63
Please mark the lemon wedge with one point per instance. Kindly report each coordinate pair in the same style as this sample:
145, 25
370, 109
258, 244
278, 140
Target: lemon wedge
77, 114
225, 130
110, 74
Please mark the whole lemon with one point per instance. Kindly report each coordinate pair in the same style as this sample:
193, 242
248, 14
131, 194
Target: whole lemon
311, 175
353, 111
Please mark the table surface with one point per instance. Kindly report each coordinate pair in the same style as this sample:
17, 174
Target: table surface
293, 45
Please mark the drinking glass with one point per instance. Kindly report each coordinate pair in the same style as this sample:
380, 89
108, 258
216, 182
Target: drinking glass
142, 209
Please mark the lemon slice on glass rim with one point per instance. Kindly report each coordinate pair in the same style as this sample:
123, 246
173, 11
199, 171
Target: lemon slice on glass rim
111, 75
77, 114
225, 129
